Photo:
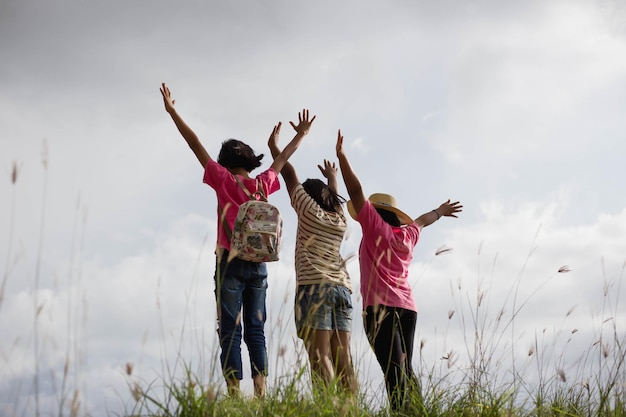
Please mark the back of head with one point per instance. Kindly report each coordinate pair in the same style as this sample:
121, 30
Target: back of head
389, 217
236, 154
323, 195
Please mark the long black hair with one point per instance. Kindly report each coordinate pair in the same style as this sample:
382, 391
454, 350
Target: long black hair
236, 154
389, 216
323, 195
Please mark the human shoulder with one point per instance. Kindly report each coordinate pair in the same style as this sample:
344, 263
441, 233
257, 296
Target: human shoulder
214, 173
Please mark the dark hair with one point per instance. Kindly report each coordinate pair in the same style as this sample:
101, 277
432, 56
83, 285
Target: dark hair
323, 195
236, 154
389, 216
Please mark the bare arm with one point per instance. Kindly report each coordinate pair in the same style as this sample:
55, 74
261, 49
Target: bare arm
353, 185
329, 171
192, 139
447, 209
288, 172
302, 129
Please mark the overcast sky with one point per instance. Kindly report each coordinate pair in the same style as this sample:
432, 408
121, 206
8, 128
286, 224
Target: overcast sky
514, 108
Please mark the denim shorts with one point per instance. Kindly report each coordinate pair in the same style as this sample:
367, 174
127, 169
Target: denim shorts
323, 307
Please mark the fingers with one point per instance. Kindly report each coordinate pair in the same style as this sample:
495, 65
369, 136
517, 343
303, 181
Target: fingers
330, 165
303, 116
339, 141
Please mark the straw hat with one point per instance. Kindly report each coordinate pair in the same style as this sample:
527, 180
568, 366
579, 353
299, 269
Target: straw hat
386, 202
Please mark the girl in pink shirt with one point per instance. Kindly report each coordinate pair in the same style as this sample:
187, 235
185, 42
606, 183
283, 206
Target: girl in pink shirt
239, 285
385, 253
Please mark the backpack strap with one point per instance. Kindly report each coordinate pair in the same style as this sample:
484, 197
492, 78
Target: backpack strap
250, 195
259, 190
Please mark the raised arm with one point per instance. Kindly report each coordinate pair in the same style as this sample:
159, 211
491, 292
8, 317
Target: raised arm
353, 185
302, 129
288, 172
446, 209
329, 171
183, 128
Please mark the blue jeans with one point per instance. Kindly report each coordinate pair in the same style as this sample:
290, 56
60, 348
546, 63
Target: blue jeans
241, 285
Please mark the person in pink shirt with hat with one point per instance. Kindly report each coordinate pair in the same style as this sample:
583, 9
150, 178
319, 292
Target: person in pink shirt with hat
385, 253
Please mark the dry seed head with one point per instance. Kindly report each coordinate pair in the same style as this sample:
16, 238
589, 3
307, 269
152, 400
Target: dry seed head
531, 351
481, 295
211, 393
422, 344
561, 374
238, 320
310, 241
442, 249
75, 407
564, 269
66, 367
14, 173
450, 314
44, 154
450, 359
574, 331
135, 391
381, 316
129, 368
605, 350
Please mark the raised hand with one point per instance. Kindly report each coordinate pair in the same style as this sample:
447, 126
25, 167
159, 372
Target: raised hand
329, 170
304, 124
272, 142
167, 98
449, 209
339, 147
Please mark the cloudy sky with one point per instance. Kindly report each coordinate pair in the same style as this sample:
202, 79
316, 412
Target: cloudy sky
107, 232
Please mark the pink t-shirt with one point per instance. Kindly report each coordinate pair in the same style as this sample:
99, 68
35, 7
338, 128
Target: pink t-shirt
385, 254
230, 195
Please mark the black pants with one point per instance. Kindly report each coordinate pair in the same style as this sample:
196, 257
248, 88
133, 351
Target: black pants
391, 333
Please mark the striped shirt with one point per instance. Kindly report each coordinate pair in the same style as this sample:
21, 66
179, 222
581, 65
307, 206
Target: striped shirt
318, 240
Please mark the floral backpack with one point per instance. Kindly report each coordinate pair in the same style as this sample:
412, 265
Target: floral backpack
257, 232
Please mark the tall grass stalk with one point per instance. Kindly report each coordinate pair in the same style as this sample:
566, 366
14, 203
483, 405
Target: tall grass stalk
9, 261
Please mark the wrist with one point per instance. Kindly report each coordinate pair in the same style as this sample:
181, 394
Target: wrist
438, 213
